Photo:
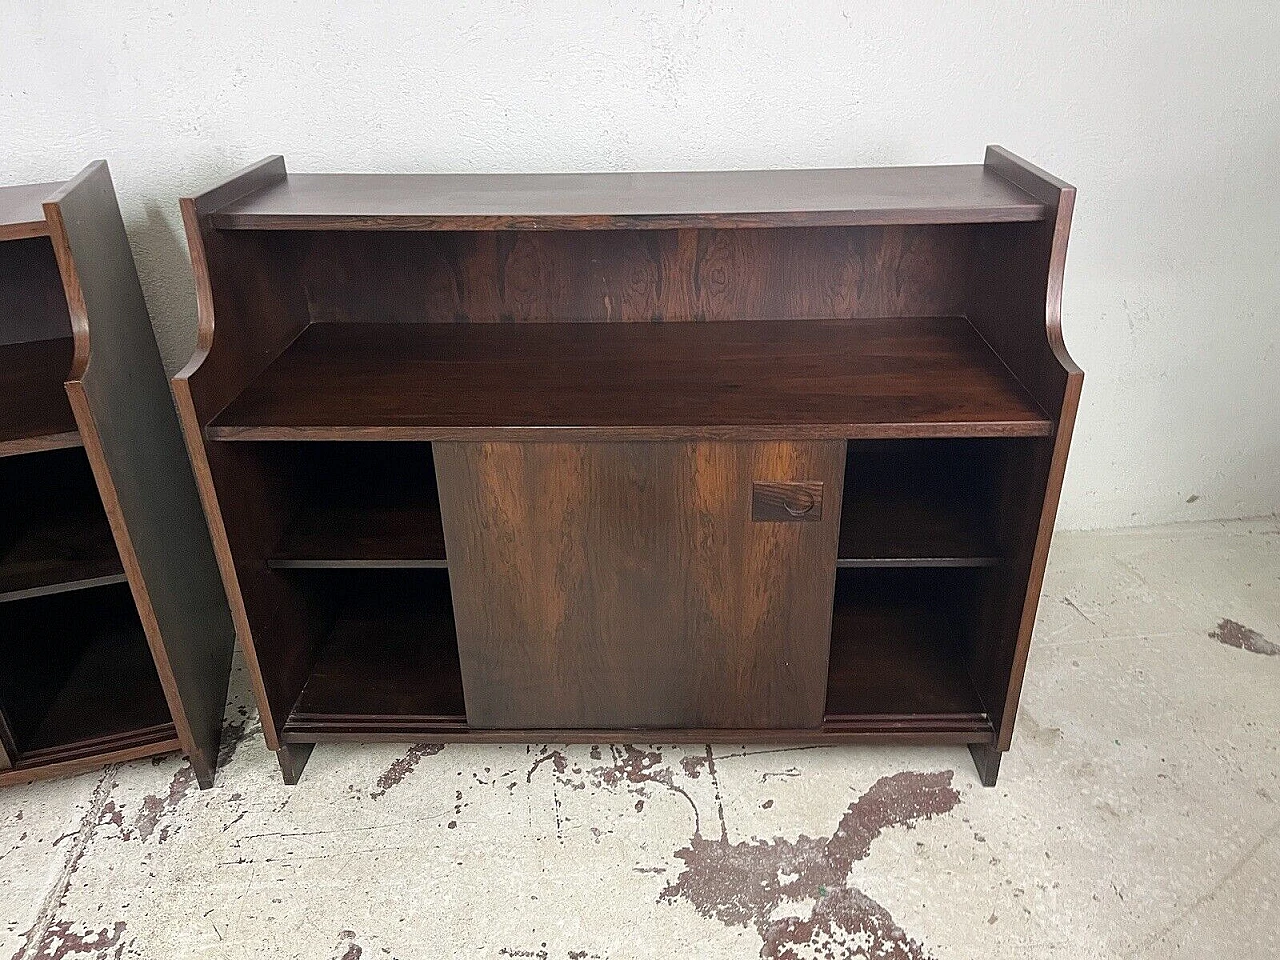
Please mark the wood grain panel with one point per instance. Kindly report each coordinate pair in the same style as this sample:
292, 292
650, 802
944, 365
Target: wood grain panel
120, 395
625, 585
619, 275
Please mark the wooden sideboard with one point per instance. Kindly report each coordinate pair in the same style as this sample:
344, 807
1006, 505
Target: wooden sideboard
754, 456
115, 638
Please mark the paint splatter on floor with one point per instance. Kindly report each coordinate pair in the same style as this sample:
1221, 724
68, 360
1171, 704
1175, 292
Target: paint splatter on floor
347, 948
64, 940
395, 774
1232, 634
1103, 838
794, 892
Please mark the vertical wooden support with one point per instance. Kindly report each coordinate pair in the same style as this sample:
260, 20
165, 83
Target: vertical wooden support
238, 505
1016, 304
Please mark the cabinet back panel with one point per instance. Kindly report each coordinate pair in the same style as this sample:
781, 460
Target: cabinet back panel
634, 275
32, 304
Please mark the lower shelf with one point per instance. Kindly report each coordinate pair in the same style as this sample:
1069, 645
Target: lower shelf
390, 660
78, 678
897, 655
388, 668
458, 732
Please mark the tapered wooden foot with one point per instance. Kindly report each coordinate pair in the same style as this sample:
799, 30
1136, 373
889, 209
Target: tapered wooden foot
293, 757
203, 770
986, 758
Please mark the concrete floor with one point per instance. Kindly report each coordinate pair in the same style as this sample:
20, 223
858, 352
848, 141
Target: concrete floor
1138, 815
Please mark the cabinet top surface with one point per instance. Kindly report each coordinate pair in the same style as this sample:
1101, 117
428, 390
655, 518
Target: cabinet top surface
586, 201
22, 211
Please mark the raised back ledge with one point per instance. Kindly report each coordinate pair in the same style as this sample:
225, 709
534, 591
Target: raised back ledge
866, 196
21, 214
1059, 198
56, 229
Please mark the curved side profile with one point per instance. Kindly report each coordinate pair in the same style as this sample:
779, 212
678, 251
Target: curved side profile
125, 415
219, 368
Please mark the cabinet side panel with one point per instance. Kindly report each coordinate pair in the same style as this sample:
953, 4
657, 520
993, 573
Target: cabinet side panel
8, 748
627, 585
1015, 302
131, 432
251, 307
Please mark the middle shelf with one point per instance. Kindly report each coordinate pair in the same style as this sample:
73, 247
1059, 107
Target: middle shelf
370, 504
54, 536
357, 504
813, 379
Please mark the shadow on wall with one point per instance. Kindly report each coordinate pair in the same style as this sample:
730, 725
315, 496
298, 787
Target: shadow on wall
164, 269
1231, 488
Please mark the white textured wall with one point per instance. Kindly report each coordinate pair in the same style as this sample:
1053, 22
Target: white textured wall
1166, 119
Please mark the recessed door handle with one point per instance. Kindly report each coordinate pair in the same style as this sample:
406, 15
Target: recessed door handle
781, 501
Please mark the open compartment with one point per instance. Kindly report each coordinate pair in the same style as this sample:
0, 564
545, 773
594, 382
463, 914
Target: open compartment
923, 503
357, 504
901, 642
54, 534
387, 663
35, 349
582, 334
78, 678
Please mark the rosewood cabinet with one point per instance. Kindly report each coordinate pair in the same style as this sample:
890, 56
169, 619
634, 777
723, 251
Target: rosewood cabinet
115, 637
758, 456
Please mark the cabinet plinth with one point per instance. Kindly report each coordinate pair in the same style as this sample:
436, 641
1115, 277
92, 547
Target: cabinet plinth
769, 456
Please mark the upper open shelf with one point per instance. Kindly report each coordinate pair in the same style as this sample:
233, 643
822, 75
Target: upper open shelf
829, 379
601, 201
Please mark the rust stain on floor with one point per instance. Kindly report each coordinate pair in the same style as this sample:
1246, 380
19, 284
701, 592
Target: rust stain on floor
794, 892
1232, 634
634, 768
